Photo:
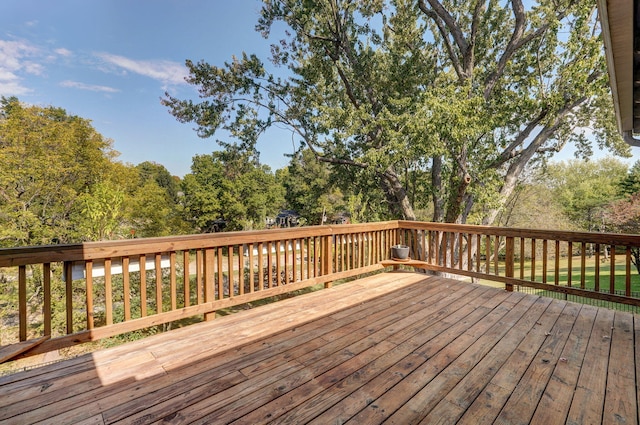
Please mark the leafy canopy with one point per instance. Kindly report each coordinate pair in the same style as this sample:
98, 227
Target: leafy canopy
451, 100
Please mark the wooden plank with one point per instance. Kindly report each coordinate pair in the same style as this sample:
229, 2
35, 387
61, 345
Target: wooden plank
347, 354
412, 353
620, 404
454, 404
22, 303
587, 405
525, 398
417, 393
556, 400
83, 396
294, 376
320, 362
8, 352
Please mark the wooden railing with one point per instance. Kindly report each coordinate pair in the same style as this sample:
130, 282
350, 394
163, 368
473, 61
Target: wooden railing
57, 296
597, 266
72, 294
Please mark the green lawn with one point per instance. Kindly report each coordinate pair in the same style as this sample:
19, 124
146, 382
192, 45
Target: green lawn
576, 278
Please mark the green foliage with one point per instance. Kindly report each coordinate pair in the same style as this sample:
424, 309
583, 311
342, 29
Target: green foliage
443, 102
630, 185
585, 188
102, 209
49, 159
231, 186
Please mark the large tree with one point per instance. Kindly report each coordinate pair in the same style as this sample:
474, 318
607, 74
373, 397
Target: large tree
466, 95
584, 189
49, 159
232, 188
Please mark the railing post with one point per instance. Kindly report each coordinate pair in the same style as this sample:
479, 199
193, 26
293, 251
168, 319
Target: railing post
508, 269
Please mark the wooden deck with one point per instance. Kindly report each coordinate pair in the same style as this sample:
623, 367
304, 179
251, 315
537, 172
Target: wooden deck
392, 348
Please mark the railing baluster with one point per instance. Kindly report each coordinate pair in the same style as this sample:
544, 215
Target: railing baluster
186, 277
627, 277
478, 252
143, 285
251, 269
269, 273
68, 295
533, 260
230, 271
496, 256
126, 289
583, 264
260, 266
88, 267
209, 278
557, 265
612, 272
240, 270
22, 302
544, 260
277, 280
509, 261
46, 271
158, 267
597, 276
200, 290
220, 273
522, 255
173, 284
570, 263
108, 289
452, 261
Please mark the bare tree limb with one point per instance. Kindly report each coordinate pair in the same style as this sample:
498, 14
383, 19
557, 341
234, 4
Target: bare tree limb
445, 38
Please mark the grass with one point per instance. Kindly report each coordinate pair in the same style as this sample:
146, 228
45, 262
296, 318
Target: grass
577, 277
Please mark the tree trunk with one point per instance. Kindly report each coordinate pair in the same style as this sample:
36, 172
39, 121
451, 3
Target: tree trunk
436, 184
397, 195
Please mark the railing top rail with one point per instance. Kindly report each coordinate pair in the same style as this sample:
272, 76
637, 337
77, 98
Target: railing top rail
130, 247
568, 236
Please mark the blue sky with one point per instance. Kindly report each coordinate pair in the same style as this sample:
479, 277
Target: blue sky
111, 62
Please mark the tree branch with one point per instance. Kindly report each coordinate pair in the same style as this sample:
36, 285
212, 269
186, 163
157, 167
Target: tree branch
512, 46
445, 38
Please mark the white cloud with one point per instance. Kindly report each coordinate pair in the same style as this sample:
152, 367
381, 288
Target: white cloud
14, 59
167, 72
63, 52
89, 87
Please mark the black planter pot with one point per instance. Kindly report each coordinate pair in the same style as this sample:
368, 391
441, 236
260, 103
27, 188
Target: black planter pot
399, 252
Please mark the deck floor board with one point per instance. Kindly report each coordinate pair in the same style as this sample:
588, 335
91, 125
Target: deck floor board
397, 347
